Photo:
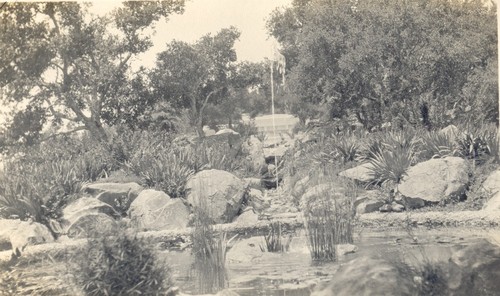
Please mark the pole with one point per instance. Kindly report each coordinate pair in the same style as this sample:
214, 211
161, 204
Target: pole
274, 125
498, 61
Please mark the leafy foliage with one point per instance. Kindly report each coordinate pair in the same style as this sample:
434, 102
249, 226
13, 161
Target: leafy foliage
122, 264
88, 58
424, 63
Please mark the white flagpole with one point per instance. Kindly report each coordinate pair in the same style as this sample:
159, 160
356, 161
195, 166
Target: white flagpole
274, 125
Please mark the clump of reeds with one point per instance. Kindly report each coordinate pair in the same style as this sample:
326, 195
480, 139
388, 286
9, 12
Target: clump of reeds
209, 249
276, 240
329, 219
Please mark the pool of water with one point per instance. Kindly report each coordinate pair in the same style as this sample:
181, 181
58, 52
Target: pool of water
295, 273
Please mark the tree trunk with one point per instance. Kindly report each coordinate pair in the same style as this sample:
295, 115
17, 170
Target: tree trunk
97, 131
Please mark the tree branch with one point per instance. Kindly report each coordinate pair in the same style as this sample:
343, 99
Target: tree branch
80, 128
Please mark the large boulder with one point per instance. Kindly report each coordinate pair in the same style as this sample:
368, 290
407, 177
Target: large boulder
155, 210
475, 270
218, 192
88, 216
253, 146
435, 180
17, 235
362, 173
117, 195
366, 276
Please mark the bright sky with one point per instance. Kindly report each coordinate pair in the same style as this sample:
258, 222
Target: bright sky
210, 16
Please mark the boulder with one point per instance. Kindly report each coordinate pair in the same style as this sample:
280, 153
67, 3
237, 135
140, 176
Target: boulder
17, 235
7, 226
493, 204
247, 250
253, 147
88, 216
218, 192
256, 200
450, 131
117, 195
155, 210
475, 270
92, 225
491, 186
435, 180
362, 173
369, 206
368, 202
366, 276
247, 217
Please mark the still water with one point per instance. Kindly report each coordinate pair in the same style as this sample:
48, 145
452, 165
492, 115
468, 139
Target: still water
294, 273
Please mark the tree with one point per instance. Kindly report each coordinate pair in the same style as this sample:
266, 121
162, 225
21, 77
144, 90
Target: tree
388, 61
192, 76
74, 65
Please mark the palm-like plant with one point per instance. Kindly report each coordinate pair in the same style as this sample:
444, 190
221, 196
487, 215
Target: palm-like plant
437, 145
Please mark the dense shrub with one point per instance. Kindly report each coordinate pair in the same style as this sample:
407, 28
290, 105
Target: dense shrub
122, 264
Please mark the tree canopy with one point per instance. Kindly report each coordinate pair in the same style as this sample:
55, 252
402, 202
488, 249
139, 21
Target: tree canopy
75, 66
403, 62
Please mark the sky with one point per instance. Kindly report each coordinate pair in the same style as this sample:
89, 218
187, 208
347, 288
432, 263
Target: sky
210, 16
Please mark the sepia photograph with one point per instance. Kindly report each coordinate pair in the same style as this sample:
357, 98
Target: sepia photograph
249, 148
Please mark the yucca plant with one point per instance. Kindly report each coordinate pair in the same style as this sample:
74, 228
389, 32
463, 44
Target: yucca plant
437, 145
390, 165
347, 148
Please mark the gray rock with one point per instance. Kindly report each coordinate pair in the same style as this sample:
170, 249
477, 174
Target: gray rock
248, 217
435, 180
253, 183
398, 208
256, 200
100, 217
450, 131
475, 270
368, 202
92, 225
218, 192
493, 204
366, 276
362, 173
117, 195
155, 210
246, 250
17, 235
491, 186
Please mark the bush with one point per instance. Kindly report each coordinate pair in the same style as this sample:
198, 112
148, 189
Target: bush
122, 264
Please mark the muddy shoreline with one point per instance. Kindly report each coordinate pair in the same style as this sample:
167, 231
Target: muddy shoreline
179, 239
